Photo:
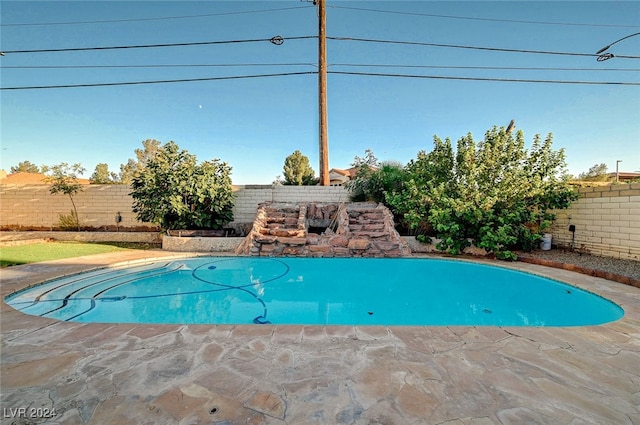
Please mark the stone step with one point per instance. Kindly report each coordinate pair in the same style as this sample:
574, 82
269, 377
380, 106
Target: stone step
274, 219
285, 210
358, 213
371, 226
294, 233
370, 235
274, 226
275, 216
371, 217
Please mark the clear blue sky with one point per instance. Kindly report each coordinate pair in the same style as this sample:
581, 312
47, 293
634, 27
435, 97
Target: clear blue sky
253, 124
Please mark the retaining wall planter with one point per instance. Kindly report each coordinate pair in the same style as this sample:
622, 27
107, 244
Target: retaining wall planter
200, 244
192, 233
146, 237
423, 248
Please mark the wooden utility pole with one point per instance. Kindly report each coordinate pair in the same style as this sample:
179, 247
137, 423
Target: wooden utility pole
322, 93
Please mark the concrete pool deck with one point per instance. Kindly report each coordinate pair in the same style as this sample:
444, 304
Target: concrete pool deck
265, 374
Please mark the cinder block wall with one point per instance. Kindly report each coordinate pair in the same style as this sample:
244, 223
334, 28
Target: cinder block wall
607, 222
248, 197
32, 206
310, 193
607, 218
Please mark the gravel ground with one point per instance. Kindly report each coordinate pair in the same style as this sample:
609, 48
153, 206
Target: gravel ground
630, 268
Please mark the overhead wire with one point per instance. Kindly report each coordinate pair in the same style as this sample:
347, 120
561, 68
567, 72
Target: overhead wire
509, 80
144, 46
182, 80
111, 21
431, 15
473, 18
501, 68
459, 46
281, 40
155, 65
367, 65
369, 74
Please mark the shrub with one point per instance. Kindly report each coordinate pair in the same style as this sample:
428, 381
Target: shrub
69, 221
380, 182
176, 192
373, 184
494, 193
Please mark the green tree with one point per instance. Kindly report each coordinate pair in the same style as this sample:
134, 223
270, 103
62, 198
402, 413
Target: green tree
133, 167
102, 175
64, 179
297, 170
493, 193
176, 192
598, 172
26, 167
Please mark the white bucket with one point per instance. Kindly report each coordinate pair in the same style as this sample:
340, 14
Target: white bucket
545, 245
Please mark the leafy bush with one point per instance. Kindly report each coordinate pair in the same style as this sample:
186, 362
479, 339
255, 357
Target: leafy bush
494, 193
380, 182
176, 192
373, 184
423, 176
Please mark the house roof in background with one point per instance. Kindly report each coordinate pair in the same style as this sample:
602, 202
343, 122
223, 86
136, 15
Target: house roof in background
351, 172
624, 175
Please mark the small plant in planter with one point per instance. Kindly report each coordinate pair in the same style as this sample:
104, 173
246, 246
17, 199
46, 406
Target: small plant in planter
176, 192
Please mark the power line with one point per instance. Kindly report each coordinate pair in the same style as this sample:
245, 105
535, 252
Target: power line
280, 40
274, 40
505, 80
367, 74
309, 6
486, 19
458, 46
131, 83
152, 19
367, 65
154, 65
501, 68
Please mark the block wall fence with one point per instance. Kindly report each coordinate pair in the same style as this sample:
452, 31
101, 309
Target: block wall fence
607, 219
32, 207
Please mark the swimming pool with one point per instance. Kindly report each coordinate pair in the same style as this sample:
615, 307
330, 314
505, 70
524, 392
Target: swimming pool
315, 291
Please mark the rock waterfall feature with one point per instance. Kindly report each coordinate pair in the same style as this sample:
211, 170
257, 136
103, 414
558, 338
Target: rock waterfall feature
315, 229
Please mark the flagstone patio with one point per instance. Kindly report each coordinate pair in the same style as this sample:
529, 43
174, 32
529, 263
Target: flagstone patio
73, 373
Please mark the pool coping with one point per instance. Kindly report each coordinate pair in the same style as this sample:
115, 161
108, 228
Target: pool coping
93, 373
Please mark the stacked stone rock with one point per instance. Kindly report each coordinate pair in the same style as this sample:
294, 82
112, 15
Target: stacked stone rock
354, 230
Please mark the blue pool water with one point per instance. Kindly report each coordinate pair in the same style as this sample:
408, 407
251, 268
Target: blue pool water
315, 291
